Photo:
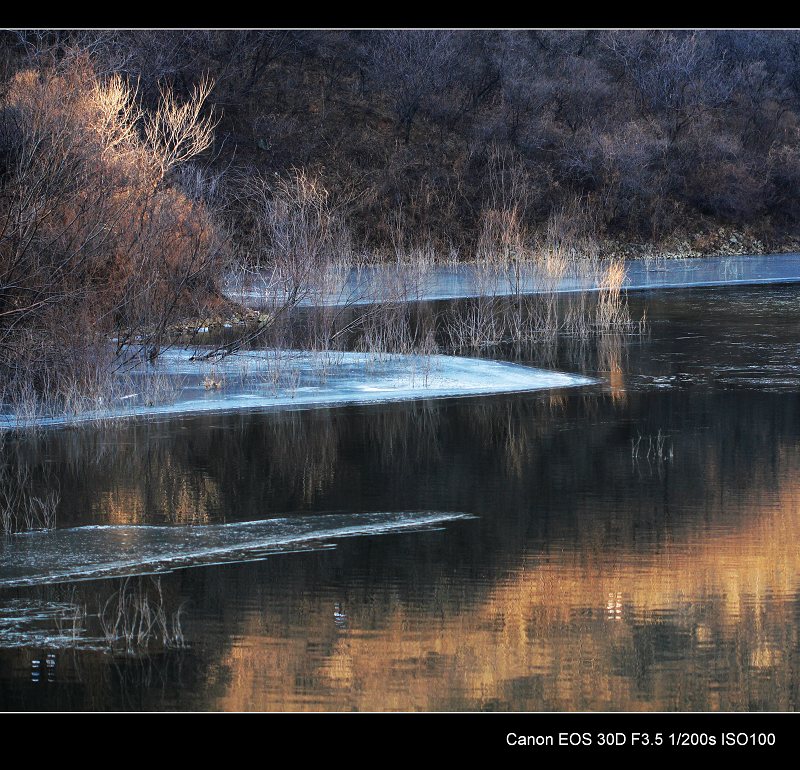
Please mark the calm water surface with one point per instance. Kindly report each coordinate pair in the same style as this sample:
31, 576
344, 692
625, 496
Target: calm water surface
632, 545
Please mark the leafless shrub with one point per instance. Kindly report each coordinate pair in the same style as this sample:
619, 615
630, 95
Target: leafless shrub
412, 66
92, 245
296, 251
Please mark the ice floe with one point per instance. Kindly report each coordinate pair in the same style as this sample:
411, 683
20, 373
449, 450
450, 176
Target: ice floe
366, 285
267, 380
106, 551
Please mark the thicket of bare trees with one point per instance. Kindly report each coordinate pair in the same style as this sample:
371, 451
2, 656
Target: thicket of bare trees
96, 240
658, 130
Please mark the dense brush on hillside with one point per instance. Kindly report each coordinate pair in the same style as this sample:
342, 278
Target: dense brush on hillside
658, 131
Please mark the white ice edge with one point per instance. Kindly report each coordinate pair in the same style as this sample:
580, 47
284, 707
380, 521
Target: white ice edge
459, 282
349, 379
99, 552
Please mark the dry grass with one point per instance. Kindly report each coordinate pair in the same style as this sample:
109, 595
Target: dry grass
213, 381
520, 278
612, 309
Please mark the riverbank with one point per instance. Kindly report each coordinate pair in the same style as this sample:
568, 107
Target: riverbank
715, 242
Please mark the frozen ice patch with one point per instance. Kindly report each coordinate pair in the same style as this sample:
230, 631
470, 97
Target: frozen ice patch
366, 285
300, 379
43, 624
94, 552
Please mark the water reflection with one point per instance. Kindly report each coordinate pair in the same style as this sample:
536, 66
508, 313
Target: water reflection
704, 619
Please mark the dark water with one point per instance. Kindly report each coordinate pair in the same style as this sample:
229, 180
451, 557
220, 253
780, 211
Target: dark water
634, 546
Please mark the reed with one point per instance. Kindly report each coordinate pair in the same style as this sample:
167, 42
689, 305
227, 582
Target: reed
88, 394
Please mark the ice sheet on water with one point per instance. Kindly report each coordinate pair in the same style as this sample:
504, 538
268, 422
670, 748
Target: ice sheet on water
301, 379
461, 281
104, 551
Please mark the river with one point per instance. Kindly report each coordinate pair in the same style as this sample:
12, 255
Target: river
624, 543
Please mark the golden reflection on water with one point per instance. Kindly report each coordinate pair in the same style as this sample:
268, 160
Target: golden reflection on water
704, 622
189, 499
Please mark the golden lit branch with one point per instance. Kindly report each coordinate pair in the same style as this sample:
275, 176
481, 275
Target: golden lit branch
177, 132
